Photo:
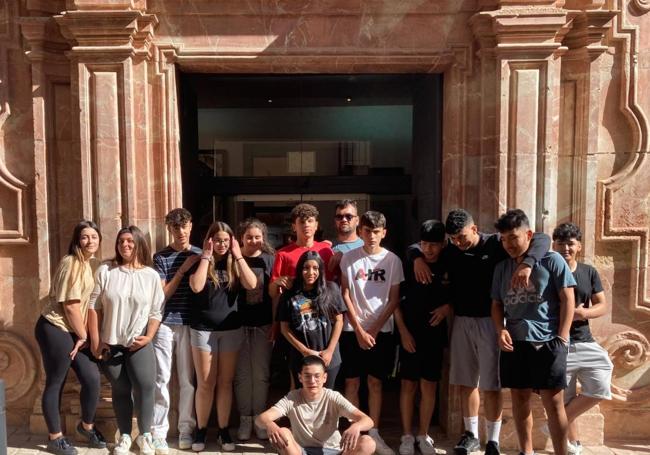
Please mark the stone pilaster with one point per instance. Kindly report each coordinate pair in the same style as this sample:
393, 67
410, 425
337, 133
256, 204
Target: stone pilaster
520, 50
110, 57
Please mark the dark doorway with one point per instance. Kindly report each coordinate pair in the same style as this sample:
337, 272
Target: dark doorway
256, 145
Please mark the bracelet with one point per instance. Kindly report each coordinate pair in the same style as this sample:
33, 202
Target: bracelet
239, 259
207, 258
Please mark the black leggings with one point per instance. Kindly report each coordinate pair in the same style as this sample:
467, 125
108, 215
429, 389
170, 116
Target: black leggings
56, 345
133, 378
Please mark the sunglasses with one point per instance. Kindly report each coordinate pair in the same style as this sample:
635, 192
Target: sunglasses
346, 217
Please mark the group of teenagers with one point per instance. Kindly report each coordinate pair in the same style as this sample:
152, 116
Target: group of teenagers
518, 313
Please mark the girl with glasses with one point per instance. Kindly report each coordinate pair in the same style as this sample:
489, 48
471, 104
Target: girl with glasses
216, 333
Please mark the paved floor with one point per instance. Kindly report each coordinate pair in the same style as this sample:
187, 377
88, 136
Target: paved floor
22, 443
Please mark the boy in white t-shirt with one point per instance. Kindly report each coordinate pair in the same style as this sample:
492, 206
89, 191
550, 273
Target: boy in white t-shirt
370, 281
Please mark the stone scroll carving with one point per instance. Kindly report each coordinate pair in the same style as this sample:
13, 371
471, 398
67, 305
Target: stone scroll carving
13, 206
630, 353
17, 366
619, 196
640, 6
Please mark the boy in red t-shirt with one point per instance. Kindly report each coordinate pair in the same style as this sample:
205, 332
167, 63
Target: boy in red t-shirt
304, 222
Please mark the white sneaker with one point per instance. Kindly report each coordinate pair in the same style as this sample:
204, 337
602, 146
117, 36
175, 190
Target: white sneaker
185, 441
381, 447
407, 445
260, 432
123, 445
245, 428
574, 448
160, 446
425, 444
145, 442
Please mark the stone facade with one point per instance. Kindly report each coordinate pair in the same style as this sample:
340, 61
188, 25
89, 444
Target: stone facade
545, 108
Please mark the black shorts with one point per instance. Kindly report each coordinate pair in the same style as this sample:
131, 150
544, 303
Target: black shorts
529, 367
426, 361
377, 362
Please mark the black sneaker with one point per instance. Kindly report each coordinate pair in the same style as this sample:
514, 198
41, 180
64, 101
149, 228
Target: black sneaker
93, 436
61, 446
198, 445
467, 444
492, 448
226, 441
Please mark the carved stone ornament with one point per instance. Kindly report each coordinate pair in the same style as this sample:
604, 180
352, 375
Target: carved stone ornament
13, 203
17, 366
630, 353
641, 6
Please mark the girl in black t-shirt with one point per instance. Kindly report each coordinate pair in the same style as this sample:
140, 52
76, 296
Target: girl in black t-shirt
216, 333
255, 311
311, 316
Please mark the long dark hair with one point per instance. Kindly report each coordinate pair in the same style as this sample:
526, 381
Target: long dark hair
141, 247
74, 249
325, 292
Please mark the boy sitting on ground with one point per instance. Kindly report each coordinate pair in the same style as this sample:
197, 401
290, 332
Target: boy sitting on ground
314, 413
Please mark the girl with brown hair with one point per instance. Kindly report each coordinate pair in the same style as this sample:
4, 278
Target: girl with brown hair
216, 333
62, 337
125, 312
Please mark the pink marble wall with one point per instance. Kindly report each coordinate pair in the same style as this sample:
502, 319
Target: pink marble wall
545, 108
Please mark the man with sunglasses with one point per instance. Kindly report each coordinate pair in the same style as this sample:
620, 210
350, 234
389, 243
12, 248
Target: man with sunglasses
346, 220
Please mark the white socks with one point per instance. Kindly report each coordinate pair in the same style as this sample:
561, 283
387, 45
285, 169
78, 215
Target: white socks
471, 424
493, 430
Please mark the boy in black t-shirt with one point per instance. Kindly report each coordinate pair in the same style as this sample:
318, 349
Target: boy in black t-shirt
422, 324
587, 362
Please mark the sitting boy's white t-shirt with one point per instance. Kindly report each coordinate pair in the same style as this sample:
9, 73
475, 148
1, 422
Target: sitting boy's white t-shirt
315, 423
370, 278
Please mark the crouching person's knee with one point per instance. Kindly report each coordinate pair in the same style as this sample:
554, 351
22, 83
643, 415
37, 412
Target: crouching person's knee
291, 447
365, 446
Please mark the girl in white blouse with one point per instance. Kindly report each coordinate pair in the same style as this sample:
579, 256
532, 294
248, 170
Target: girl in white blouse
125, 312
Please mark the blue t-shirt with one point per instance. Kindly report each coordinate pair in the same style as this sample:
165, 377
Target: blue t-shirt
344, 247
166, 262
533, 314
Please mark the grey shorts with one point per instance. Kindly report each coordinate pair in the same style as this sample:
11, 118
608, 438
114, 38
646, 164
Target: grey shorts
588, 364
474, 353
222, 341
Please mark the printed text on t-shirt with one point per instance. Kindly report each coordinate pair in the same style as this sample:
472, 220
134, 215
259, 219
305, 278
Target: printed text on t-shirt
371, 275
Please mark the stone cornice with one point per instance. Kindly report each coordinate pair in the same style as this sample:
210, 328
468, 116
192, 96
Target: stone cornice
536, 30
588, 31
95, 30
542, 29
43, 37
